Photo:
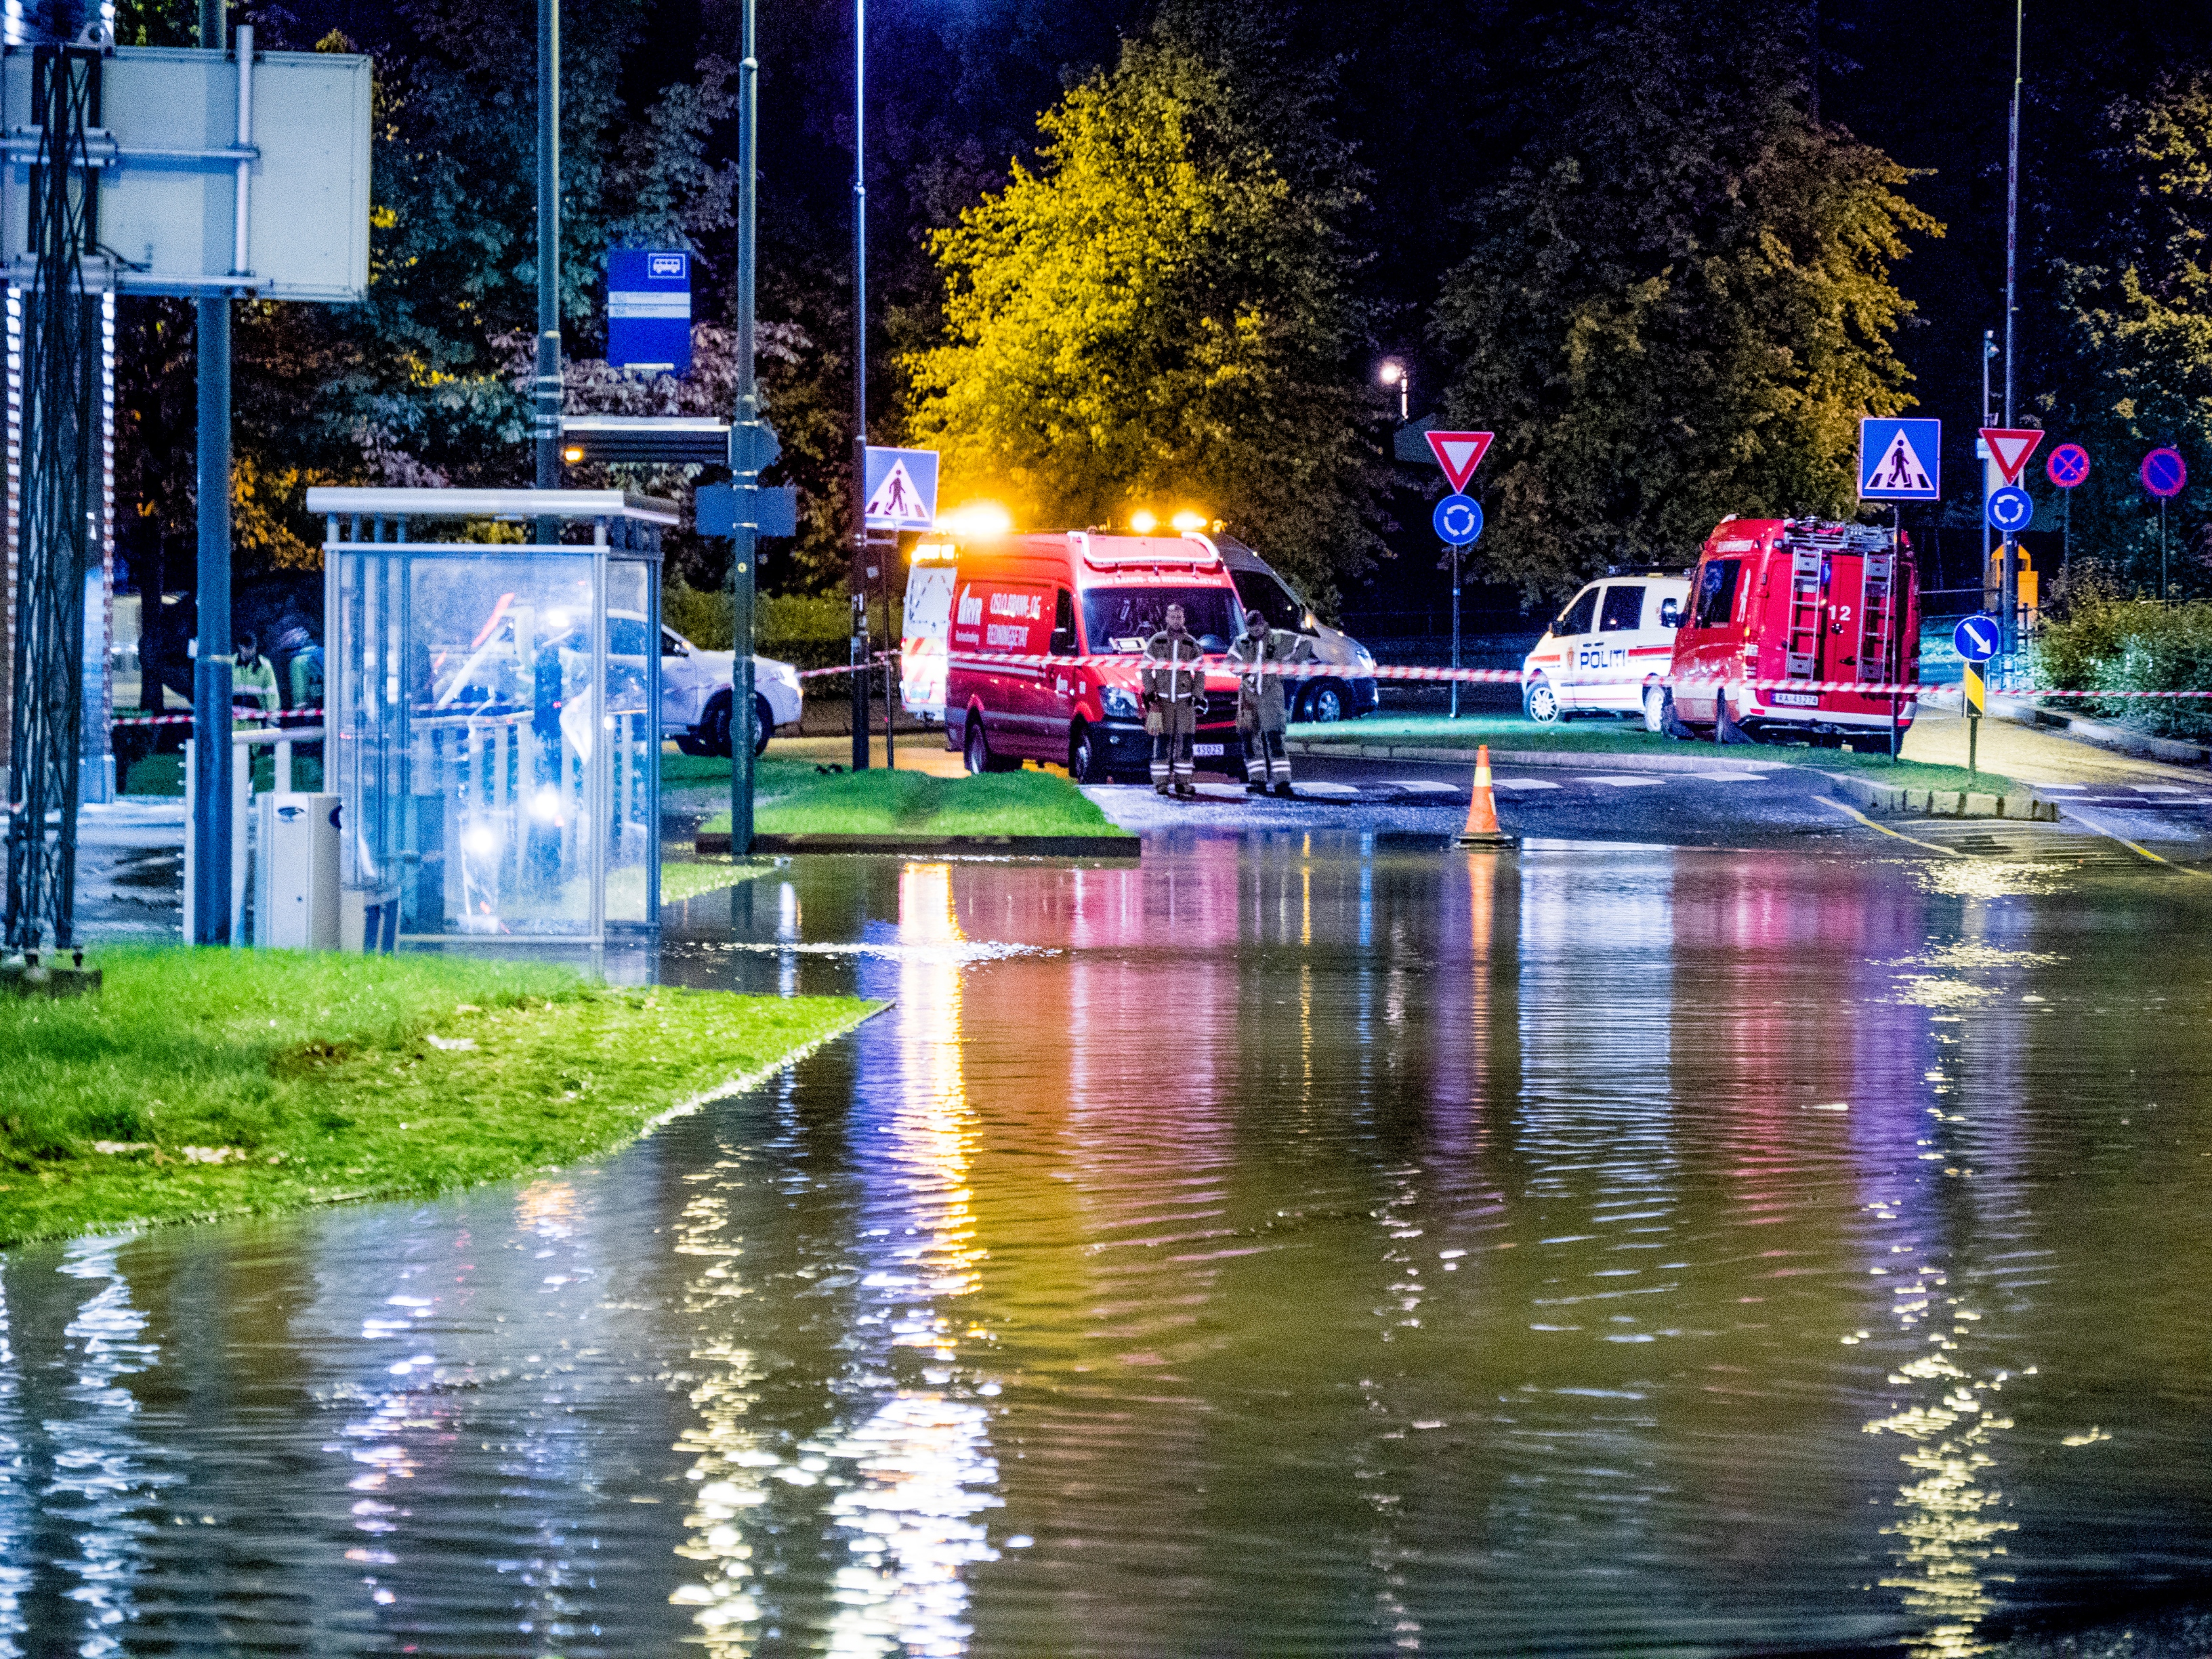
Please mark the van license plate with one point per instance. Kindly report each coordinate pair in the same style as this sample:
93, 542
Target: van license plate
1797, 699
1206, 749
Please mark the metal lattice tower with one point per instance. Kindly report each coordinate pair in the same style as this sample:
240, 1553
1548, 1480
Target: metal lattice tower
62, 342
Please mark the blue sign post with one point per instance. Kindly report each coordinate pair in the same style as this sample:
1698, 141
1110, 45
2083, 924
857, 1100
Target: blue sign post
1900, 461
649, 309
1458, 519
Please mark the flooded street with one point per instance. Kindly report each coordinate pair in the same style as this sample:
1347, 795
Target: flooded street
1297, 1244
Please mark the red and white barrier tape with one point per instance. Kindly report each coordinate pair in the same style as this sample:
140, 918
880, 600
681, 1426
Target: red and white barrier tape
1378, 671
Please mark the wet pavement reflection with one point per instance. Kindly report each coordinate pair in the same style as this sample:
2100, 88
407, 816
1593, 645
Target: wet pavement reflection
1295, 1244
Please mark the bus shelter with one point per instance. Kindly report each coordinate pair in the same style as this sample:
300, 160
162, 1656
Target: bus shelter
492, 716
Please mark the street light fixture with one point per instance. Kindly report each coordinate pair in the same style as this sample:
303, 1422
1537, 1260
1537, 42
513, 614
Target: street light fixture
1395, 373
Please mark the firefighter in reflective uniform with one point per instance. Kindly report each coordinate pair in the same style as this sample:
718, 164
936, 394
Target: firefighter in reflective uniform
1175, 683
1262, 706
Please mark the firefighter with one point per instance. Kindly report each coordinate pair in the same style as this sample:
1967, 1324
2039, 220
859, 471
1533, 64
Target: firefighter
1262, 715
1172, 693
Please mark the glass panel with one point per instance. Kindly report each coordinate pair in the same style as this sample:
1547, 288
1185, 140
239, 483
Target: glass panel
1577, 618
633, 747
495, 719
1624, 608
1717, 591
1121, 619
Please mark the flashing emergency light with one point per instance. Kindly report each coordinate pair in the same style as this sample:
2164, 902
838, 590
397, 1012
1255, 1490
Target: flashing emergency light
976, 521
935, 549
1186, 521
572, 453
1143, 522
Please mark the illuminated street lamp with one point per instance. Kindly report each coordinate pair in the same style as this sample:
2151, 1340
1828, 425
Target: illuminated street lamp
1395, 373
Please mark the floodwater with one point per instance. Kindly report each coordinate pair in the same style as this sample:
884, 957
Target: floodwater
1289, 1247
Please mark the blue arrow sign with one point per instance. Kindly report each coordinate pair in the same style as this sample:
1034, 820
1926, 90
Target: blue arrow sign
1900, 461
1458, 519
2011, 509
1975, 639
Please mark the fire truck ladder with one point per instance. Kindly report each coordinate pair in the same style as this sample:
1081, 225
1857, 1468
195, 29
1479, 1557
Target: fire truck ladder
1804, 648
1878, 617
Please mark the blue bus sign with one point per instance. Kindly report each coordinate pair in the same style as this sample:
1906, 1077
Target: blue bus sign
649, 309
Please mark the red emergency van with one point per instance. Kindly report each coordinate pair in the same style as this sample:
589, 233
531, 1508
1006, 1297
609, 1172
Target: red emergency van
1795, 599
1079, 594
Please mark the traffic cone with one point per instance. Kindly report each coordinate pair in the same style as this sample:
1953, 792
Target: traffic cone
1482, 829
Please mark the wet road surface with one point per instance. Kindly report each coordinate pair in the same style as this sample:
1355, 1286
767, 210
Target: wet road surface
1305, 1243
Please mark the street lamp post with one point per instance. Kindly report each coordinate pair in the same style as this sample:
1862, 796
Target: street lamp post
861, 549
546, 422
1395, 373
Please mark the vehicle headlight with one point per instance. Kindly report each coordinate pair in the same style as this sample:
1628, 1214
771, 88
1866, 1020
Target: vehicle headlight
1363, 656
1119, 701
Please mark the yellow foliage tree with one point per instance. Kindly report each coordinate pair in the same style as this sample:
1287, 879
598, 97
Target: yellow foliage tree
1159, 314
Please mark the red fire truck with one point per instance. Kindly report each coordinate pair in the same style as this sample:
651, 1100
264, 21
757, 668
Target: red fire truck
1078, 593
1782, 599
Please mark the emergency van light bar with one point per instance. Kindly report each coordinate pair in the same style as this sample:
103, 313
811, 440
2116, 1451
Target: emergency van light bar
1122, 552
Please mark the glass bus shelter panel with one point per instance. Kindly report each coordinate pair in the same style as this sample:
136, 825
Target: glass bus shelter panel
497, 694
634, 743
364, 714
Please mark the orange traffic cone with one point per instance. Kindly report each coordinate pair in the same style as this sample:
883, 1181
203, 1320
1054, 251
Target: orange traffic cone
1482, 829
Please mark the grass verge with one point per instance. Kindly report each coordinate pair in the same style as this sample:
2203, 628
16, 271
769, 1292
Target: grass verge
792, 798
1607, 737
224, 1083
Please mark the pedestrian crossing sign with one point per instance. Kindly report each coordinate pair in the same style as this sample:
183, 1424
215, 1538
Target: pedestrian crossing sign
902, 489
1900, 461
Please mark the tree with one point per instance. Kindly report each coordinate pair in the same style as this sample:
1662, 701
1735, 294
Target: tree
1680, 303
2137, 369
1160, 313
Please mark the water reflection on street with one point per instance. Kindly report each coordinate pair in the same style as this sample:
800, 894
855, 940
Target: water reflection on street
1289, 1245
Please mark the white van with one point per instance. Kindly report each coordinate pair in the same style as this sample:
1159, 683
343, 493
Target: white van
1608, 650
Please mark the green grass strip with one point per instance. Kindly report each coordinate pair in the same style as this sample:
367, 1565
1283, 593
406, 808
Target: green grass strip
792, 798
257, 1081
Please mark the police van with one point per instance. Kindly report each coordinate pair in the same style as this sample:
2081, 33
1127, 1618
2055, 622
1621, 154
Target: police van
1608, 652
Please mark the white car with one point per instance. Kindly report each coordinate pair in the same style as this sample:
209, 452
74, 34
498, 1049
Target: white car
694, 688
1608, 651
695, 682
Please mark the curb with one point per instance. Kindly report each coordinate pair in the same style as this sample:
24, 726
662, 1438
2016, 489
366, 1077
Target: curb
1600, 763
716, 844
2102, 735
1943, 803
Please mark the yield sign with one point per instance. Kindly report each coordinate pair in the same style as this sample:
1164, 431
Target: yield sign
1459, 453
2009, 448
